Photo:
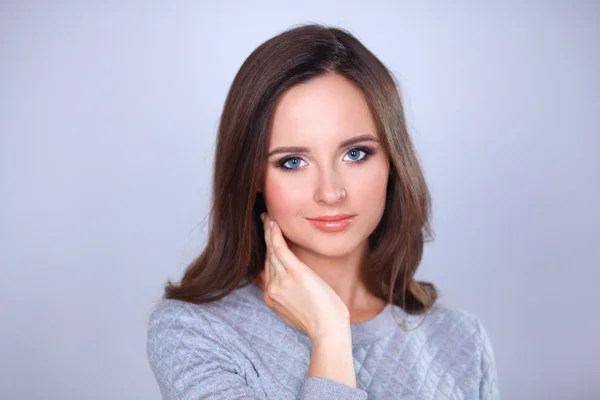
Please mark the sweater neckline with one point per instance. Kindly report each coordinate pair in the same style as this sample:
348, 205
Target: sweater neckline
377, 327
370, 330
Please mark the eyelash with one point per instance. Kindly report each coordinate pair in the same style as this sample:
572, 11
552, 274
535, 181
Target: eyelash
368, 152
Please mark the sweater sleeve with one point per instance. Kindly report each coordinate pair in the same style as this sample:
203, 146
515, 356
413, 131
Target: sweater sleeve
190, 360
315, 388
488, 386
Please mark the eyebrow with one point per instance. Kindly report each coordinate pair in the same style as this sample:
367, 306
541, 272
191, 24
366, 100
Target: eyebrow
345, 143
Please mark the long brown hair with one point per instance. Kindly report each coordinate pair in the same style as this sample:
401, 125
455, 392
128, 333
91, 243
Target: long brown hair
235, 249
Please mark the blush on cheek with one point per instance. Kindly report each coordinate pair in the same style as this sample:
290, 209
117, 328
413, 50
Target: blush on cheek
276, 198
376, 187
286, 199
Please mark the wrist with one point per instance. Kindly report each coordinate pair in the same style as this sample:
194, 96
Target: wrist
334, 336
331, 357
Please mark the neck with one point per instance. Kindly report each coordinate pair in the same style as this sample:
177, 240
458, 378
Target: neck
343, 274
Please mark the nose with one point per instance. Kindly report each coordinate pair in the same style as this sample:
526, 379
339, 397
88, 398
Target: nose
330, 189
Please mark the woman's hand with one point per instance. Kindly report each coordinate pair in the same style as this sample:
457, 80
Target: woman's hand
296, 293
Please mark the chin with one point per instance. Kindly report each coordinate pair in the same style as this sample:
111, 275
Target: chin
337, 253
329, 247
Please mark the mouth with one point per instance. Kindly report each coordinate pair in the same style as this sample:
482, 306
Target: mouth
333, 223
336, 217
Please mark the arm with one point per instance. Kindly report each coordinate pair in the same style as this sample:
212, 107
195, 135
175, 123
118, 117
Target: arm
331, 357
190, 360
331, 372
488, 387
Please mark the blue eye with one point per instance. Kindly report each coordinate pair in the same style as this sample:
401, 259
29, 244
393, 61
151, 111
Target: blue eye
293, 160
354, 154
355, 151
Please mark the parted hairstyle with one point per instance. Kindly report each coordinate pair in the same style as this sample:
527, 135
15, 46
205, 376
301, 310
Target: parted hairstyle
235, 249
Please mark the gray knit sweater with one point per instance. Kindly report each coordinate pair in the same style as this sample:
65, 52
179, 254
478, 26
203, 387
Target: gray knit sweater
239, 348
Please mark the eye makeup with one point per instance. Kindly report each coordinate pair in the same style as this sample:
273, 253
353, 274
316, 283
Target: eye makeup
365, 149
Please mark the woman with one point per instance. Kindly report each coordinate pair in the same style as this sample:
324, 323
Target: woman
319, 216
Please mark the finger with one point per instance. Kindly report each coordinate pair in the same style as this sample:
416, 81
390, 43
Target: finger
269, 271
264, 274
267, 229
268, 300
280, 249
278, 266
263, 279
279, 269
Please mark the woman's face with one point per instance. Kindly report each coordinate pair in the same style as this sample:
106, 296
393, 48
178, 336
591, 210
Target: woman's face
326, 177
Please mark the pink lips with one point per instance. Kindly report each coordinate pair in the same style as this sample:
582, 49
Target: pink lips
332, 223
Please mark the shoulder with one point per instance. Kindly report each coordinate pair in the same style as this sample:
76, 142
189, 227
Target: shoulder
471, 347
231, 309
172, 314
182, 334
446, 320
441, 312
460, 332
193, 347
172, 321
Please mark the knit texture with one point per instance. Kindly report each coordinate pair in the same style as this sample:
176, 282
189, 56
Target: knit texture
239, 348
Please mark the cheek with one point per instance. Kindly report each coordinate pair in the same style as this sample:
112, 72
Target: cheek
377, 185
282, 196
371, 187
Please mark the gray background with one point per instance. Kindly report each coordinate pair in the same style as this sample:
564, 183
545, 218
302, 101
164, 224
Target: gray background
108, 117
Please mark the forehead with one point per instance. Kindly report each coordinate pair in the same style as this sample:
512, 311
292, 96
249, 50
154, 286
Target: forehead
325, 109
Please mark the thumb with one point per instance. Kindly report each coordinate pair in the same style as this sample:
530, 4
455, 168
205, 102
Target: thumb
282, 251
263, 279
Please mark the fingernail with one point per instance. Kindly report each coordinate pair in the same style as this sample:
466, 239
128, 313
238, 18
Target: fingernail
271, 224
262, 216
